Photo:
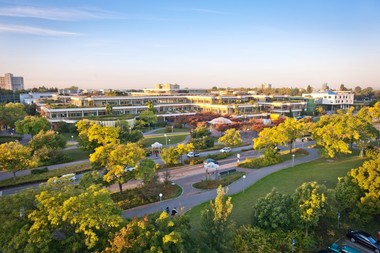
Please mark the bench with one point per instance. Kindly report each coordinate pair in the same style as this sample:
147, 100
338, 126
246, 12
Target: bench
227, 172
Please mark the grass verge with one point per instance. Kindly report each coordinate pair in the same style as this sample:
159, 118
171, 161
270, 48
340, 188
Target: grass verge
324, 171
224, 181
145, 195
34, 178
174, 139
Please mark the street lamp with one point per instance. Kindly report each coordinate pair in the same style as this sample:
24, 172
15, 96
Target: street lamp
166, 139
72, 138
238, 159
169, 141
160, 195
244, 183
293, 160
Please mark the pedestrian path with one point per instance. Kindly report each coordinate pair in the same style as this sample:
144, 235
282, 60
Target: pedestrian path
191, 197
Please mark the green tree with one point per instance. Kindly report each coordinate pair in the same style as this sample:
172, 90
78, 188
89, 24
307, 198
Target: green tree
201, 131
148, 118
15, 157
150, 106
32, 125
273, 211
45, 144
108, 109
146, 170
115, 158
216, 226
231, 137
10, 113
71, 218
14, 227
252, 240
309, 89
347, 196
310, 200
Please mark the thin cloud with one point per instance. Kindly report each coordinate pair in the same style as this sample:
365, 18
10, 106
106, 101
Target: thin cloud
21, 29
54, 13
199, 10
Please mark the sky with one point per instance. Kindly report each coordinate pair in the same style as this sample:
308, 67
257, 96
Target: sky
127, 44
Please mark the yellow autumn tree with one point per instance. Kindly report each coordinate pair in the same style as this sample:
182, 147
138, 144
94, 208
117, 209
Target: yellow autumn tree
115, 158
15, 157
231, 137
71, 217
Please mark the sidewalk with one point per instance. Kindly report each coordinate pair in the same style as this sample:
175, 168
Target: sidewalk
191, 197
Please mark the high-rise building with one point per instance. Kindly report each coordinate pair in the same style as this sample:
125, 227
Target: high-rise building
10, 82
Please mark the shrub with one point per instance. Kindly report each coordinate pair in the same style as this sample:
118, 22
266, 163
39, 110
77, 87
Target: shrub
39, 170
259, 162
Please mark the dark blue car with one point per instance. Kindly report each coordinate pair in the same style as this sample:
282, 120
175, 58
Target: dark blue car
364, 239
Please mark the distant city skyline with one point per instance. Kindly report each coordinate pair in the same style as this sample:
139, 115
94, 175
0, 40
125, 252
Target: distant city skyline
196, 44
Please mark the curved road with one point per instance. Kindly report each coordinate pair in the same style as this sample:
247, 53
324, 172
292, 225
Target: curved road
192, 197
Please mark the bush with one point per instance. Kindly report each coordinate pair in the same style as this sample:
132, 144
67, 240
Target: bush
259, 162
39, 170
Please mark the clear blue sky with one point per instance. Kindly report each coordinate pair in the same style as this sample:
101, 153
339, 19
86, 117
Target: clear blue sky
194, 43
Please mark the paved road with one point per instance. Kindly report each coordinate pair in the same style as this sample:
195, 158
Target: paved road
192, 197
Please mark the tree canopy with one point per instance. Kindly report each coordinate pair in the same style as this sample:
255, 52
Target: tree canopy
15, 157
32, 125
115, 158
231, 137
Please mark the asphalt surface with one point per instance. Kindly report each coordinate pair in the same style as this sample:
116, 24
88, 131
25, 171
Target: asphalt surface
190, 197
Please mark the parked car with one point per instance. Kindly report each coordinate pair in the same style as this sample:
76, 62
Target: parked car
210, 160
225, 150
336, 248
70, 176
364, 239
129, 169
193, 154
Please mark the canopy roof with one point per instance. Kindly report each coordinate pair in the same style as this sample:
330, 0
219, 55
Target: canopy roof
220, 120
156, 145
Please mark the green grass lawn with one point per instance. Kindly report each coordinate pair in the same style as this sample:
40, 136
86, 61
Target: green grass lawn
175, 130
76, 154
324, 171
174, 139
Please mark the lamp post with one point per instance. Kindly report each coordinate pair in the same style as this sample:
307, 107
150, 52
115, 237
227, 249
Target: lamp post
172, 129
166, 139
338, 219
169, 142
238, 159
293, 160
72, 138
293, 244
244, 183
160, 195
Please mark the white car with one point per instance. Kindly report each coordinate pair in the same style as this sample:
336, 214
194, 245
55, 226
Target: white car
129, 169
225, 150
70, 176
193, 154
